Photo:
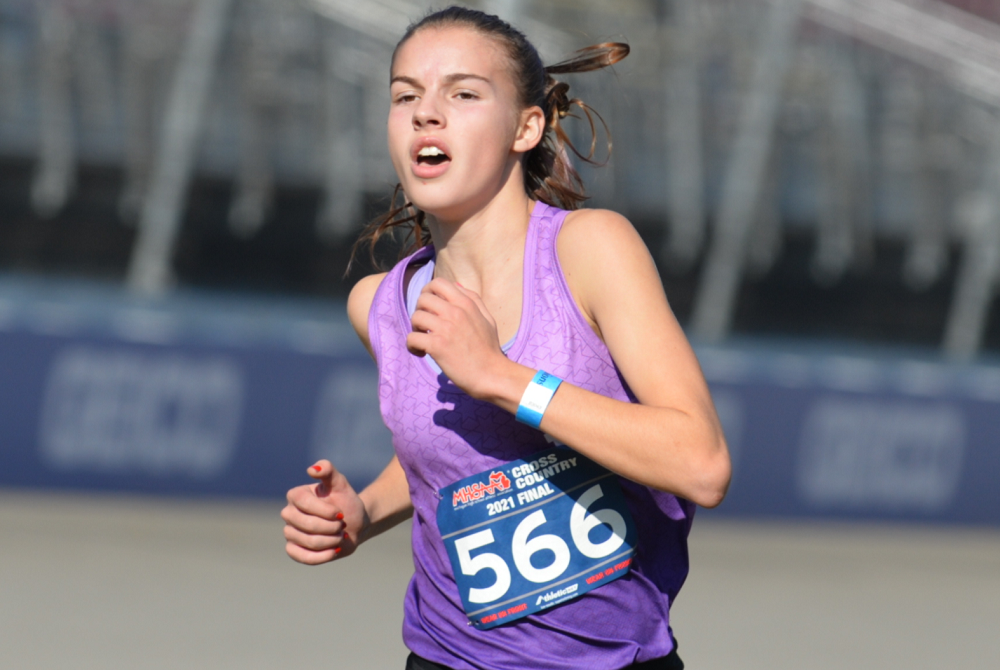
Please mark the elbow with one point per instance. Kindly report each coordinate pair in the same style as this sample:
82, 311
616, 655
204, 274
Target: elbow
716, 473
710, 497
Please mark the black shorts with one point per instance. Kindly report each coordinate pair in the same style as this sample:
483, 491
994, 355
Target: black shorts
669, 662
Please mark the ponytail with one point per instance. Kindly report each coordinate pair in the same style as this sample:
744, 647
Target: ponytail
549, 174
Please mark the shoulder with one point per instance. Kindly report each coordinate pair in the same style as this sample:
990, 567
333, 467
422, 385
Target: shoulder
600, 241
359, 304
601, 253
596, 222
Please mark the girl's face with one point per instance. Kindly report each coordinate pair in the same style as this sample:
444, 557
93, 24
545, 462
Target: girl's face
456, 130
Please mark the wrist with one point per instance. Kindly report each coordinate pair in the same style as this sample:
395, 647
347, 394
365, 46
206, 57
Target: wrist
536, 398
366, 520
506, 386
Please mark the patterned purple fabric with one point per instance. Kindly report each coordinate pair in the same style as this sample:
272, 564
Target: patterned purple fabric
441, 435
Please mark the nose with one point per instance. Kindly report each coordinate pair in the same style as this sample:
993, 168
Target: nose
427, 113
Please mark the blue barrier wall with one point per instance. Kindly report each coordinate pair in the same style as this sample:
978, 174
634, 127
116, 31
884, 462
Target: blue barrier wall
191, 395
858, 436
225, 398
94, 413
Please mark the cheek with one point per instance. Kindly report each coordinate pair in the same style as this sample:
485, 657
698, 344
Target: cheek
398, 135
491, 134
394, 129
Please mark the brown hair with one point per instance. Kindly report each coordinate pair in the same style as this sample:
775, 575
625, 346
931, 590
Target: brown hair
549, 175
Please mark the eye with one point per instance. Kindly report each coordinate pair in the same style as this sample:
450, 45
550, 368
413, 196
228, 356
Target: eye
466, 95
403, 98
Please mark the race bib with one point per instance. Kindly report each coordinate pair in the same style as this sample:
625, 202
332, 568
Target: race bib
534, 533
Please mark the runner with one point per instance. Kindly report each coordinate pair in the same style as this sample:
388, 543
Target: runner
553, 430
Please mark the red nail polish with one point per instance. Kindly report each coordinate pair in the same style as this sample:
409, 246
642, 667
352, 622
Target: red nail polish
340, 516
317, 468
346, 536
336, 551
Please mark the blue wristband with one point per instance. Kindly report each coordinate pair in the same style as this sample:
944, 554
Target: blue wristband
536, 398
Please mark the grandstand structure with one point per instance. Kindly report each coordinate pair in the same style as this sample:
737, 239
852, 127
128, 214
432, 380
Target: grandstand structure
741, 128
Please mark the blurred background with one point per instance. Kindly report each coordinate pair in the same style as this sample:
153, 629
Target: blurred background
181, 182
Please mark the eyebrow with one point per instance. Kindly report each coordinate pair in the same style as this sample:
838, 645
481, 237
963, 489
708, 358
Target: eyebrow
449, 79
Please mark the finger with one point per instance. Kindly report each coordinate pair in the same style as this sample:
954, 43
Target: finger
425, 322
459, 296
444, 289
433, 303
323, 471
309, 557
310, 523
418, 343
330, 479
452, 301
312, 542
305, 499
477, 301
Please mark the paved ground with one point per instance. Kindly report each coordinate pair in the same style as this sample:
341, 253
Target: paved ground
125, 582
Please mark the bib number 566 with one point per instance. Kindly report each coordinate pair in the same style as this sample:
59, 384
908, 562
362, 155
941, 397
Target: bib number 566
581, 523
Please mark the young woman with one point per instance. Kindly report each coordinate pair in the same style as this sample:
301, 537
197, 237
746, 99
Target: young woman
552, 427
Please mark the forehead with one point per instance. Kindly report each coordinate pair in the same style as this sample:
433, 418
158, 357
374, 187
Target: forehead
442, 50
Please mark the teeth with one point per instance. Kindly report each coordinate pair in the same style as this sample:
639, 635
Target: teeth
430, 151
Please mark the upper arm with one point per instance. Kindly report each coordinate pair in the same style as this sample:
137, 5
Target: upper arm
616, 286
359, 304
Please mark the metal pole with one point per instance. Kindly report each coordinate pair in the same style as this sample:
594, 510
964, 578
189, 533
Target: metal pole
901, 155
927, 248
148, 49
149, 270
716, 297
685, 171
344, 160
979, 270
261, 60
95, 72
766, 237
844, 223
56, 173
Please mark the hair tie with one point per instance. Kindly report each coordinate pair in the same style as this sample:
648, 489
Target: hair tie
557, 100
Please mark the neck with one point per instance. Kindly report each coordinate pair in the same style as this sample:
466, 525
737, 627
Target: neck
488, 245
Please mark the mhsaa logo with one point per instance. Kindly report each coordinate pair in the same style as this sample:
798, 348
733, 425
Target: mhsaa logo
478, 491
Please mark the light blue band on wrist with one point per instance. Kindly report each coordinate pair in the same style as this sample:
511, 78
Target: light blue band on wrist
536, 398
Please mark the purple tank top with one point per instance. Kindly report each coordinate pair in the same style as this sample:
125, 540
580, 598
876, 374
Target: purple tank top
442, 435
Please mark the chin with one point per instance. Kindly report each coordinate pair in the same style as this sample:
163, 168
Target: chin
437, 203
442, 211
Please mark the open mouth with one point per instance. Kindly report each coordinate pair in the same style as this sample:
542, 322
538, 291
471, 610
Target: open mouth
432, 156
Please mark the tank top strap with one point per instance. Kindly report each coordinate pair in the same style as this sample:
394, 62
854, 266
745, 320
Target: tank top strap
387, 317
548, 222
552, 305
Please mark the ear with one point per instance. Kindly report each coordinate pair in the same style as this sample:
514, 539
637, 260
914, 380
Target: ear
530, 129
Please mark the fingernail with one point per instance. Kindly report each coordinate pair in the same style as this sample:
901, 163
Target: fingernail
317, 468
336, 551
340, 516
346, 536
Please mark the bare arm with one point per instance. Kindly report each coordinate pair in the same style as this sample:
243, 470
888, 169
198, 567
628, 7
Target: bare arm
359, 304
328, 520
387, 499
672, 439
